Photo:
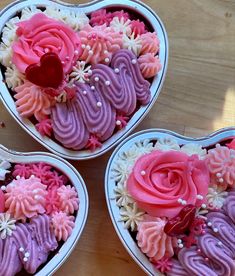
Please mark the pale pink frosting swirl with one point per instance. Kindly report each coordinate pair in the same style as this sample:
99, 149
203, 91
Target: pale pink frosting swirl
32, 101
99, 43
68, 198
68, 126
40, 34
63, 225
150, 43
152, 239
149, 65
25, 198
221, 163
168, 177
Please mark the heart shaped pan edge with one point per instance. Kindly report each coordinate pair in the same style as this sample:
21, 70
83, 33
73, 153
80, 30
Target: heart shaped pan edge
151, 134
76, 179
155, 88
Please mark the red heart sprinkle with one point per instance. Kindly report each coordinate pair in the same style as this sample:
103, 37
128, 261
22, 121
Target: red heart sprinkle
48, 74
182, 222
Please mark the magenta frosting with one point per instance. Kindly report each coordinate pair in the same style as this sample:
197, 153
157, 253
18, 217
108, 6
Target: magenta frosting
68, 126
36, 238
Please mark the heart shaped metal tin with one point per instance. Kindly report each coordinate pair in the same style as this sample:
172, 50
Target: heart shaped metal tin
138, 7
150, 134
17, 157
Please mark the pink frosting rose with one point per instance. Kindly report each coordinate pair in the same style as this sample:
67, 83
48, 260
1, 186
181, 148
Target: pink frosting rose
41, 34
160, 179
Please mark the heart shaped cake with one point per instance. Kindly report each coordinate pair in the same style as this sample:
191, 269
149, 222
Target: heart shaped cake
42, 212
79, 78
172, 202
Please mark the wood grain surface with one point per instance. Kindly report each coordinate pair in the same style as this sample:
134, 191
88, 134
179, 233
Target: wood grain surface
198, 97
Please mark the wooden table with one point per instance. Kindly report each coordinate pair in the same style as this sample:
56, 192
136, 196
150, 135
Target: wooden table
198, 97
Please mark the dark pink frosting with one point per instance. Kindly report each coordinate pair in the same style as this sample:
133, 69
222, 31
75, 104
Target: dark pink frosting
40, 34
168, 177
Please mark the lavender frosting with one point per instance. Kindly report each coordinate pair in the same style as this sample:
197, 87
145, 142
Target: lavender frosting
35, 238
99, 120
116, 89
121, 97
68, 126
177, 269
217, 245
123, 60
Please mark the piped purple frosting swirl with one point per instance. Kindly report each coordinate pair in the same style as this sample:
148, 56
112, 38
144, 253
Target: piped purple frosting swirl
116, 90
130, 73
97, 113
35, 238
217, 246
121, 98
69, 128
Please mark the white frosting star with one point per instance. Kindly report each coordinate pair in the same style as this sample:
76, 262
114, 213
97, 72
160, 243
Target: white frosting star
120, 25
216, 196
4, 166
192, 148
76, 20
166, 143
131, 216
13, 77
138, 149
132, 43
122, 196
5, 54
28, 12
7, 225
79, 72
9, 31
121, 171
54, 12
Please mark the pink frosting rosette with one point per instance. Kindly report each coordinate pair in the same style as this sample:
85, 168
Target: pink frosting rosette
41, 34
152, 239
160, 180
